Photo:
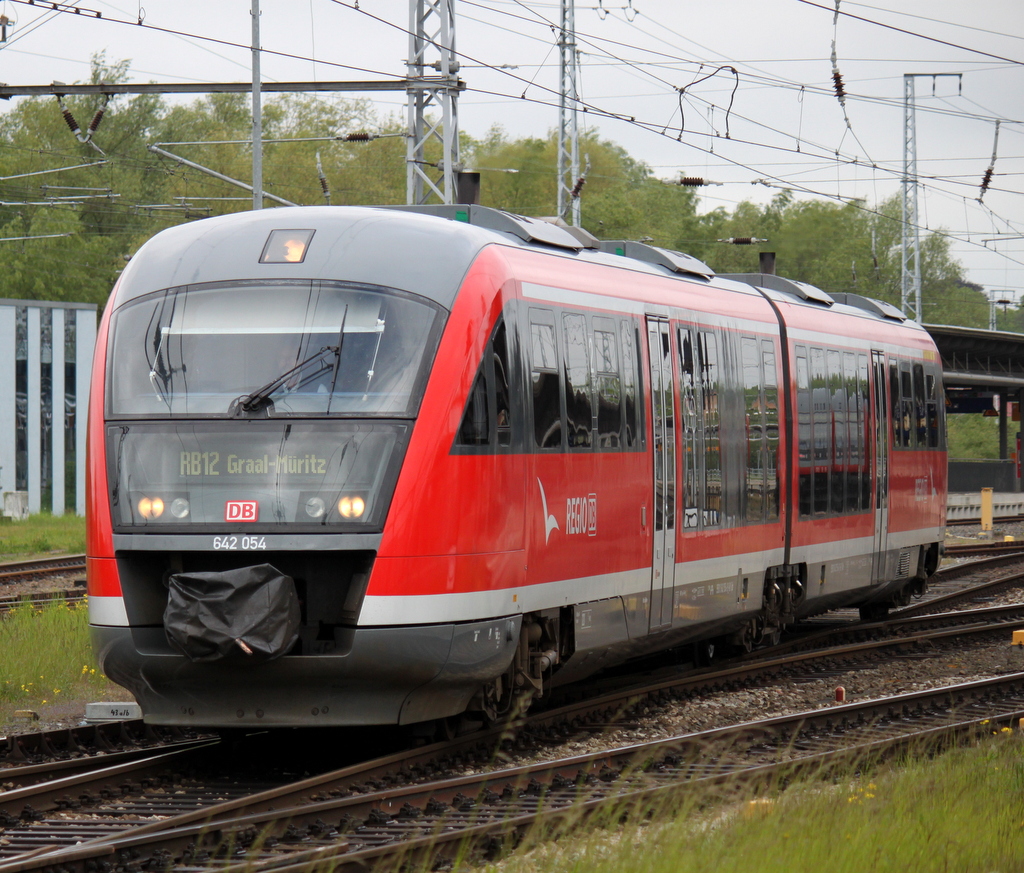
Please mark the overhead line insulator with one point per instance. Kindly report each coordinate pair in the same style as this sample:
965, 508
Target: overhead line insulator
70, 120
986, 180
96, 119
837, 82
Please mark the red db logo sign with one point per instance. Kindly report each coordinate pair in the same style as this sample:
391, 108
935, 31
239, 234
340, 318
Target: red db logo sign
241, 510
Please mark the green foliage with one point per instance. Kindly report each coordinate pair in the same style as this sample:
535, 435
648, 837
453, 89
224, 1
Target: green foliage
47, 655
972, 437
958, 811
41, 534
109, 210
845, 247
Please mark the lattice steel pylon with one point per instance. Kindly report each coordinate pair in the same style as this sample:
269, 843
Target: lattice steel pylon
432, 46
568, 130
910, 249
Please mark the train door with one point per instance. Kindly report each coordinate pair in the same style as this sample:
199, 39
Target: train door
659, 338
880, 453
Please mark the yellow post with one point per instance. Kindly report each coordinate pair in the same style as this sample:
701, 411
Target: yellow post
986, 509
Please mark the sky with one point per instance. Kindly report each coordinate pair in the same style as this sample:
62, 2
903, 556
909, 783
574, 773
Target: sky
739, 92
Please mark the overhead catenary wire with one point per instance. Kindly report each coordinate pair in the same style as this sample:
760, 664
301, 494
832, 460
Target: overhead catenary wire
781, 183
808, 189
354, 7
922, 36
804, 188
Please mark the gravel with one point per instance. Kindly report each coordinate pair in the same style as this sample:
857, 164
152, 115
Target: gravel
969, 661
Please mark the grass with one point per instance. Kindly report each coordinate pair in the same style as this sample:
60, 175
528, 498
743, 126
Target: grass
962, 811
47, 662
41, 535
46, 659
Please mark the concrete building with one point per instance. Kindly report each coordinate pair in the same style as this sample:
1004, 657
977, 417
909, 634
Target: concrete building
45, 362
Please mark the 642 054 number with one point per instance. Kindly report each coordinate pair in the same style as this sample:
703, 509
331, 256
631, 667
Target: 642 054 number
232, 542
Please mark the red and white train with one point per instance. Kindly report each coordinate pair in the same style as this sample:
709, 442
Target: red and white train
366, 466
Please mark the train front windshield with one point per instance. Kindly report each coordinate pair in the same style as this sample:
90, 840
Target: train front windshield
307, 349
266, 404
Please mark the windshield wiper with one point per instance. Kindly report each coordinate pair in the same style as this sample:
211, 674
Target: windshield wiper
259, 398
159, 390
337, 357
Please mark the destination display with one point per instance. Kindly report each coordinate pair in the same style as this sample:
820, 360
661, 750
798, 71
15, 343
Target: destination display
252, 474
212, 464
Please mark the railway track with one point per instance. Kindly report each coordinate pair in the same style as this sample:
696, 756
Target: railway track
70, 596
13, 575
125, 798
120, 824
19, 571
971, 550
355, 825
77, 748
999, 519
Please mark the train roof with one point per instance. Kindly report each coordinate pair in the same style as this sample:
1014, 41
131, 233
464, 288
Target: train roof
366, 245
400, 247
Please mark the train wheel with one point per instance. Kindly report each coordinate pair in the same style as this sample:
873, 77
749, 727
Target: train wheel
874, 612
703, 653
745, 638
447, 729
769, 636
902, 597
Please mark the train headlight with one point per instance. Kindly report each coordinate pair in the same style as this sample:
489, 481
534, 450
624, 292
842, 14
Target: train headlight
180, 507
315, 507
351, 507
286, 246
151, 507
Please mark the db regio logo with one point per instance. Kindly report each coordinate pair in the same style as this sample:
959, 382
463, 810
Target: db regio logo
581, 515
241, 510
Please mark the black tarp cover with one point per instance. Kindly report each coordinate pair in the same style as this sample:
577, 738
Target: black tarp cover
248, 614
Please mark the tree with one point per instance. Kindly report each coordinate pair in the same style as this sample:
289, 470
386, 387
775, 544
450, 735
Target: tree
103, 213
94, 207
845, 247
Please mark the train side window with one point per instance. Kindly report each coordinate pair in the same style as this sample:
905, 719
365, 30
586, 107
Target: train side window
609, 385
502, 390
920, 411
837, 425
805, 436
821, 445
487, 419
476, 423
710, 379
907, 419
547, 411
630, 362
690, 419
578, 382
932, 403
771, 429
864, 417
895, 405
854, 427
754, 421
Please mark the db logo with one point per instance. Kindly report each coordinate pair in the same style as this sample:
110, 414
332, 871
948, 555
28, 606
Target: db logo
241, 510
